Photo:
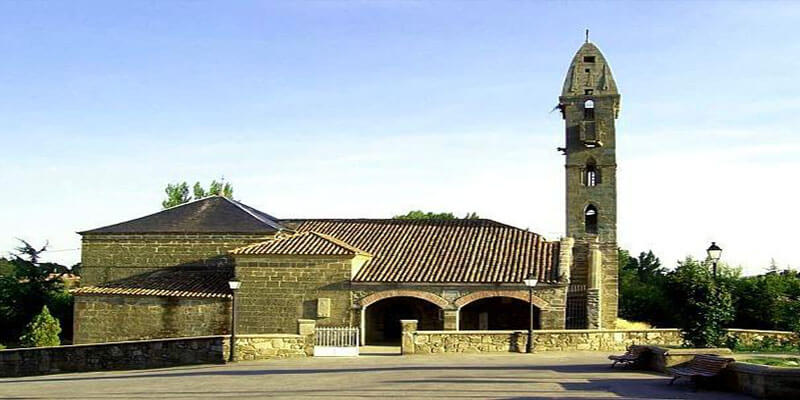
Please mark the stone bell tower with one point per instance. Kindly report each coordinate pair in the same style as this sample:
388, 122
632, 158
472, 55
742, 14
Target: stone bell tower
589, 104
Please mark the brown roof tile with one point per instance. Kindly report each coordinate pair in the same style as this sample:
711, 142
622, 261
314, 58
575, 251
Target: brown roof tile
304, 243
441, 251
172, 283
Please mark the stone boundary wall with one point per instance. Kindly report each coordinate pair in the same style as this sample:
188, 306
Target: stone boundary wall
157, 353
426, 342
749, 337
268, 346
762, 381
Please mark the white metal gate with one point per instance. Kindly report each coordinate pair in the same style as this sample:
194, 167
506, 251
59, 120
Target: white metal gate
336, 342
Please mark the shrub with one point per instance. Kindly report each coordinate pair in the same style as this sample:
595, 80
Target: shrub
703, 304
42, 331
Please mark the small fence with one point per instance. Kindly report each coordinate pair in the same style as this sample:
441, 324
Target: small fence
576, 307
336, 342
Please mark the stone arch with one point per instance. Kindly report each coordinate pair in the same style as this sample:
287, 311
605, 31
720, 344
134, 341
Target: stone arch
514, 294
437, 300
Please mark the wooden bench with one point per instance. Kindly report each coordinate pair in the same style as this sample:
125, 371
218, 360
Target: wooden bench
702, 365
631, 355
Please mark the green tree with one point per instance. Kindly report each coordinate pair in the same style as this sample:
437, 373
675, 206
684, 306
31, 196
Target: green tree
216, 188
703, 303
42, 331
773, 266
32, 285
6, 268
768, 301
422, 215
643, 290
178, 193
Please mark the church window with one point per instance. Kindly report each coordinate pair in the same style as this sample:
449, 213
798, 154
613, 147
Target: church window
588, 59
588, 110
591, 173
590, 216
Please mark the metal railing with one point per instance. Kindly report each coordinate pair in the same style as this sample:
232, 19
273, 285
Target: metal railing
336, 337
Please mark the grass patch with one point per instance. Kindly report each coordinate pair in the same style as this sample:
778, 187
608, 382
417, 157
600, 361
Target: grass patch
775, 362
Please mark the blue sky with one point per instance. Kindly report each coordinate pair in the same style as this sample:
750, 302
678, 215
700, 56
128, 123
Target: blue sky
370, 109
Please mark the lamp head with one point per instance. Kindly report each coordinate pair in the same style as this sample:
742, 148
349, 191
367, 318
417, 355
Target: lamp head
714, 252
531, 280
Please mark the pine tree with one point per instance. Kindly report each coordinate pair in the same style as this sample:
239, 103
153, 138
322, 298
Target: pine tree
42, 331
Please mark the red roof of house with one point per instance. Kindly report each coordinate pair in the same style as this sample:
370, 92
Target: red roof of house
304, 243
174, 282
441, 251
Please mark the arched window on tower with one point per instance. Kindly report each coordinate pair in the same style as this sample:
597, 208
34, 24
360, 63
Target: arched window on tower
588, 110
590, 219
591, 173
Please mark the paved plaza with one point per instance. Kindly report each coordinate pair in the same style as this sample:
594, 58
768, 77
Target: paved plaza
479, 376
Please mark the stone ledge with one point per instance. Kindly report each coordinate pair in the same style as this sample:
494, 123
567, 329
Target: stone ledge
758, 369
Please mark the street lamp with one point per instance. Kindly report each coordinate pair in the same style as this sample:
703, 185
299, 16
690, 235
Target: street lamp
714, 253
234, 284
530, 282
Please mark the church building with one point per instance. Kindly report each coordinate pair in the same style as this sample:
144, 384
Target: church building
166, 274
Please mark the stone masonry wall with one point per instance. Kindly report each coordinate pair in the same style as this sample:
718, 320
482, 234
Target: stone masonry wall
543, 340
115, 318
750, 337
158, 353
269, 346
107, 257
276, 291
426, 342
609, 298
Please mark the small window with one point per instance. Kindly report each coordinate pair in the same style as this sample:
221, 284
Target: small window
590, 216
588, 59
588, 110
588, 92
587, 70
591, 174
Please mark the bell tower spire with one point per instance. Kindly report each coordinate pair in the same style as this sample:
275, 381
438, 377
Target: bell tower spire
589, 104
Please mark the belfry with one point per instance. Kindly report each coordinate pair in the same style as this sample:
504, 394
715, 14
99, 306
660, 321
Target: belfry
589, 104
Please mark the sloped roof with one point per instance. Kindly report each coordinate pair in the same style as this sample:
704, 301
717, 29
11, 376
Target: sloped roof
216, 214
167, 282
305, 243
441, 251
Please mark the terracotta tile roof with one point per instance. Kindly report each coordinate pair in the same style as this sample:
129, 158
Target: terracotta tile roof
215, 214
304, 243
173, 283
441, 251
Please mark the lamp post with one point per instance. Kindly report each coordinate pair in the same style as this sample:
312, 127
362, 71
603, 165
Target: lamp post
714, 253
530, 282
234, 284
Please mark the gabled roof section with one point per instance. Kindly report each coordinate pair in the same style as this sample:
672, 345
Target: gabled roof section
442, 251
168, 282
215, 214
307, 243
